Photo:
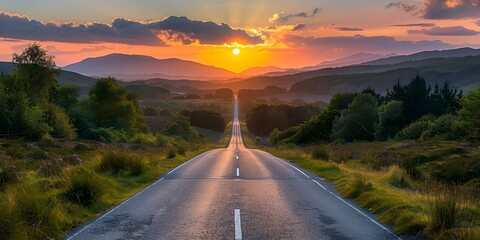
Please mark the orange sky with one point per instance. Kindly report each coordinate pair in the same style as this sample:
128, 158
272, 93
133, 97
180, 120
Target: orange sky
287, 35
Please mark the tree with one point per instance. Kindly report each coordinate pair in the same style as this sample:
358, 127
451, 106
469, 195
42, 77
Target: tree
66, 96
390, 120
207, 119
469, 116
341, 101
112, 106
317, 129
445, 100
36, 74
357, 122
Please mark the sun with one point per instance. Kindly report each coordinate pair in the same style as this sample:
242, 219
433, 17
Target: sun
236, 51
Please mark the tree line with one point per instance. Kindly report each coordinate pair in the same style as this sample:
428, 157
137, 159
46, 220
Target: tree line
413, 111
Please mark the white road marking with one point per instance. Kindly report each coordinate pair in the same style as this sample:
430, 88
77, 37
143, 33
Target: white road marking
237, 157
121, 204
238, 172
238, 225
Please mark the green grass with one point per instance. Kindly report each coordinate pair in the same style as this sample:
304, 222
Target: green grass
47, 206
375, 176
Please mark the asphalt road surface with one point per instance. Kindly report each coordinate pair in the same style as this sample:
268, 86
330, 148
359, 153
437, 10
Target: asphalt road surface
236, 193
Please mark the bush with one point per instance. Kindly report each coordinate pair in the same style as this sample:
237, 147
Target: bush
415, 130
258, 141
34, 123
144, 138
317, 129
440, 129
278, 136
83, 187
61, 124
390, 120
468, 120
320, 152
118, 163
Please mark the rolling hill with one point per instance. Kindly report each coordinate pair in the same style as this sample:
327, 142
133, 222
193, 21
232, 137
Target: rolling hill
135, 67
463, 72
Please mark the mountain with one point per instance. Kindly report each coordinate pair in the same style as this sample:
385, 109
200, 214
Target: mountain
134, 67
462, 72
255, 71
459, 52
347, 61
65, 77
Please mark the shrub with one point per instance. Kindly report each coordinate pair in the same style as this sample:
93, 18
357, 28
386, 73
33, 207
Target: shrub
83, 187
320, 152
441, 129
60, 122
390, 120
258, 141
143, 138
161, 140
317, 129
468, 120
415, 130
118, 163
359, 186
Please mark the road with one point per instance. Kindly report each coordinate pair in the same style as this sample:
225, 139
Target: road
236, 193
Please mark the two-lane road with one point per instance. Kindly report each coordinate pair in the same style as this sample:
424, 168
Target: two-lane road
236, 193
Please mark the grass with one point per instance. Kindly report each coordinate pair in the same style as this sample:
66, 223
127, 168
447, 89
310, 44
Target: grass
93, 179
391, 180
83, 187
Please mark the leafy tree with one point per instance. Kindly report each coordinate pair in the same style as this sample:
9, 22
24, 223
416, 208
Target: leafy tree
180, 127
390, 120
317, 129
469, 116
207, 119
66, 96
372, 92
36, 74
358, 120
341, 101
262, 119
441, 128
112, 106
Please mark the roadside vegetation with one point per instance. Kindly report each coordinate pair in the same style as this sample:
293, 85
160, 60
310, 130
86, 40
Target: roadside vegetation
65, 159
410, 156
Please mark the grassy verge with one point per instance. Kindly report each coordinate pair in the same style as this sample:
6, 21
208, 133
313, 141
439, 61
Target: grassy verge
50, 188
379, 178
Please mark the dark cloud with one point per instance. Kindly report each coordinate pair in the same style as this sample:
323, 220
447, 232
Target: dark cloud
441, 9
349, 29
158, 33
299, 26
402, 6
360, 43
282, 18
445, 31
206, 32
415, 25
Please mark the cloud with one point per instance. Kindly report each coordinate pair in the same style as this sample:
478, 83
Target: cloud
451, 9
441, 9
299, 26
360, 43
446, 31
282, 18
172, 30
349, 29
478, 23
415, 25
402, 6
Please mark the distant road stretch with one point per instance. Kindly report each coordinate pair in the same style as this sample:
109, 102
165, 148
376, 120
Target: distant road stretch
236, 193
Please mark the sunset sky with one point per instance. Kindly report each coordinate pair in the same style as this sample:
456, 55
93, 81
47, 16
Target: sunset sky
268, 32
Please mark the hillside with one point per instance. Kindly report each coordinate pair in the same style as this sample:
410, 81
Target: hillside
461, 72
460, 52
134, 67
